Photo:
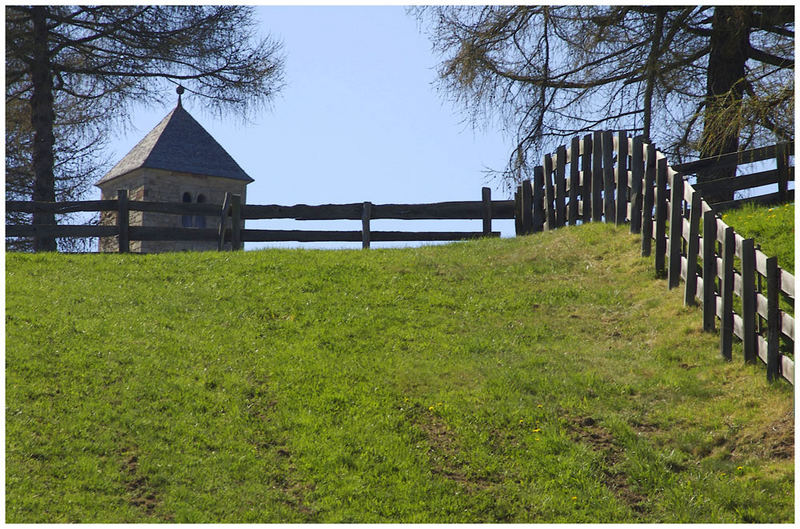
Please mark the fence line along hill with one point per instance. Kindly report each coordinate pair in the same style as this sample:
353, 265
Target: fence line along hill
602, 177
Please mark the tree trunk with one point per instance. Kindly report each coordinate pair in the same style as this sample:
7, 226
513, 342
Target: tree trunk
652, 65
42, 118
730, 37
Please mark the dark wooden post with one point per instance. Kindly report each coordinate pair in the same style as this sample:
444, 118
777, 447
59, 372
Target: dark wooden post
366, 215
608, 176
597, 176
549, 193
637, 174
749, 300
123, 221
622, 178
586, 167
236, 222
561, 186
693, 249
538, 198
518, 211
726, 321
527, 207
773, 318
574, 181
223, 220
709, 271
649, 198
675, 231
661, 215
486, 198
782, 163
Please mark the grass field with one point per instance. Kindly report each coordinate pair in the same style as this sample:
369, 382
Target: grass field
771, 226
548, 378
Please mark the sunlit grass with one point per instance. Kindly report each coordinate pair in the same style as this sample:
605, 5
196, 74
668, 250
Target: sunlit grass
548, 378
772, 227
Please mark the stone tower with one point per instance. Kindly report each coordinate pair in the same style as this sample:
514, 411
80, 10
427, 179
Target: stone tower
177, 161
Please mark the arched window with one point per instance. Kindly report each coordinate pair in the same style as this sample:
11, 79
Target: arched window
186, 220
200, 220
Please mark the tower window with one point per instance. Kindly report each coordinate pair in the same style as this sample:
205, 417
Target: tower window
186, 220
200, 220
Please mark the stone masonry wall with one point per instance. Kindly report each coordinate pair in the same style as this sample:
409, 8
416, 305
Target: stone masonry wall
168, 186
135, 188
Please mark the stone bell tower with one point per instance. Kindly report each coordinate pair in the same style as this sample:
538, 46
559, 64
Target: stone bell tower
177, 161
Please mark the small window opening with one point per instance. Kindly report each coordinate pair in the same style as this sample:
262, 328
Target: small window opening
200, 220
186, 220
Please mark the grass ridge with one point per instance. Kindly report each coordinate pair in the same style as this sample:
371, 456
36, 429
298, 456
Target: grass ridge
435, 384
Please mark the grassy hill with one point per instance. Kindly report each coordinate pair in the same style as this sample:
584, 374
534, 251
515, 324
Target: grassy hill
549, 378
771, 226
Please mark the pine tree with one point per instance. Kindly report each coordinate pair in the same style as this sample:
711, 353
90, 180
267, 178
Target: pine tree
93, 63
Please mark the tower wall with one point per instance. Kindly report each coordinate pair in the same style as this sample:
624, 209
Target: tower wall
156, 185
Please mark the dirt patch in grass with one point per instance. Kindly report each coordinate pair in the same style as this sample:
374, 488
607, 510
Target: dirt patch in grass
586, 430
444, 452
261, 407
774, 441
296, 493
142, 495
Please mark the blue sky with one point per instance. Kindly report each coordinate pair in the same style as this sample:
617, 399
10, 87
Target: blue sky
359, 119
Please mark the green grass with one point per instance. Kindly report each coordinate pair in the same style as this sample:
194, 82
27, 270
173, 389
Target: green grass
771, 226
548, 378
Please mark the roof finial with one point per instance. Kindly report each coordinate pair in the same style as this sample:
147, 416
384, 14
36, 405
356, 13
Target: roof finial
180, 91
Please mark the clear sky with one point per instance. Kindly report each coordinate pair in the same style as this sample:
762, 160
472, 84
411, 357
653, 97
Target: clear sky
359, 120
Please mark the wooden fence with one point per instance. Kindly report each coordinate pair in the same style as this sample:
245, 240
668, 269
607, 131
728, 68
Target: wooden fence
233, 213
604, 176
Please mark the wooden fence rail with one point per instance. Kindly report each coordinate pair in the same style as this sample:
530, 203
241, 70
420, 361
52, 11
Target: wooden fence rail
232, 215
613, 178
601, 177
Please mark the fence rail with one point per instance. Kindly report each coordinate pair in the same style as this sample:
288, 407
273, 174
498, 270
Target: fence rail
603, 176
233, 214
612, 178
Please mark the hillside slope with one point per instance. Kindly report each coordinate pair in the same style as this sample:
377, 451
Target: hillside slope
548, 378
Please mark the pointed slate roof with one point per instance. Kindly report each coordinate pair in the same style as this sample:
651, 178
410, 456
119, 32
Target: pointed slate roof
179, 143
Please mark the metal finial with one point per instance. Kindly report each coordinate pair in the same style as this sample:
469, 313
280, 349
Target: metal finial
180, 90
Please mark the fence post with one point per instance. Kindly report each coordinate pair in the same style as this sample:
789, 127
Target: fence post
637, 174
773, 318
518, 211
692, 249
123, 221
597, 176
538, 198
527, 207
574, 180
561, 186
586, 167
782, 164
726, 321
749, 300
709, 270
760, 286
486, 198
622, 178
223, 220
649, 191
608, 176
661, 215
366, 215
549, 197
236, 222
675, 231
